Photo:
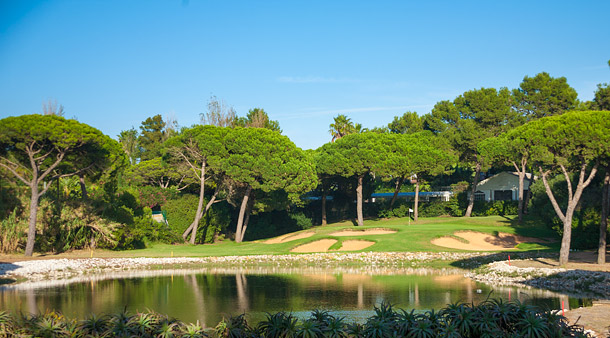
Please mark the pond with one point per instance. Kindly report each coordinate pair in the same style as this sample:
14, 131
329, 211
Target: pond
207, 295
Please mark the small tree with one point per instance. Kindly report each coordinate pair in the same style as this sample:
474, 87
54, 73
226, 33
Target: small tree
201, 150
355, 155
263, 160
38, 149
468, 120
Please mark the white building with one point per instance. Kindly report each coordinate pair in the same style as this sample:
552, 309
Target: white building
501, 187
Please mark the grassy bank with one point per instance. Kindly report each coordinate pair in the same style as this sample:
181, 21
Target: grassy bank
412, 237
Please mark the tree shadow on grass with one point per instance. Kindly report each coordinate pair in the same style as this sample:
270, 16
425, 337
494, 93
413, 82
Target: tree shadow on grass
475, 262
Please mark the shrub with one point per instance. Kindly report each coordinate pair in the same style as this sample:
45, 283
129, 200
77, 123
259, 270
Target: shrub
494, 318
181, 210
275, 223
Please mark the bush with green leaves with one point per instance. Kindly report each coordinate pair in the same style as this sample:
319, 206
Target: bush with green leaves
492, 318
585, 223
275, 223
181, 209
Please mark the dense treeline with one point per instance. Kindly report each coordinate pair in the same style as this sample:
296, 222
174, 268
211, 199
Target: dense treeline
494, 318
67, 186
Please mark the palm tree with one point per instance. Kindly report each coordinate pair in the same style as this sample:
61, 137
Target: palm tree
343, 125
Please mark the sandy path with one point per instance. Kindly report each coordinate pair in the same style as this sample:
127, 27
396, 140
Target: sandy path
345, 233
318, 246
478, 241
290, 237
354, 245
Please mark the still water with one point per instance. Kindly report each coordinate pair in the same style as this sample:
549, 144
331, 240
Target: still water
208, 295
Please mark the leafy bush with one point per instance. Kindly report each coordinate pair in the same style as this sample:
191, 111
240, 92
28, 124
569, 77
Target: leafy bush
181, 210
144, 230
585, 222
12, 232
275, 223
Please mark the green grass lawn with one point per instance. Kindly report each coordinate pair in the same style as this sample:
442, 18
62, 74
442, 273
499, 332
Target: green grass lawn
413, 237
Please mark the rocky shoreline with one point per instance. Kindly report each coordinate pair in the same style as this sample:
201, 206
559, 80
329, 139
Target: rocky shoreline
581, 282
485, 268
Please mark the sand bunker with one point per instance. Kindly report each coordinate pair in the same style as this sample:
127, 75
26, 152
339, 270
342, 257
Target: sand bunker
365, 232
354, 245
318, 246
477, 241
290, 237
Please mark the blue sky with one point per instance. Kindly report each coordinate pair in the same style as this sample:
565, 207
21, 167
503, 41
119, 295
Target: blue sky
112, 64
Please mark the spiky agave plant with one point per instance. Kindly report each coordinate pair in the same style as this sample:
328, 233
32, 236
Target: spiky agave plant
6, 324
385, 312
335, 328
423, 328
142, 324
193, 331
355, 330
462, 316
503, 312
168, 328
448, 330
48, 325
118, 324
485, 323
377, 328
233, 327
404, 322
93, 326
309, 329
280, 325
532, 325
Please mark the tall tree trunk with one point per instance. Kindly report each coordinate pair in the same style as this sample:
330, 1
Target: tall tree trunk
242, 211
29, 247
83, 187
416, 205
359, 200
323, 205
246, 220
573, 199
521, 173
603, 225
396, 190
477, 173
205, 211
198, 214
528, 196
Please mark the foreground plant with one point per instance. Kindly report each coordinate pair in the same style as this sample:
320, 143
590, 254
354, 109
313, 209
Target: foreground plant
491, 318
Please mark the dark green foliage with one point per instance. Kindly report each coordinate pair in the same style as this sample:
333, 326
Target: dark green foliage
601, 101
275, 223
151, 137
180, 211
585, 224
453, 207
492, 318
408, 123
142, 231
152, 197
543, 95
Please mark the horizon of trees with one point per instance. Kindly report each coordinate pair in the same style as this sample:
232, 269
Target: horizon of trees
247, 163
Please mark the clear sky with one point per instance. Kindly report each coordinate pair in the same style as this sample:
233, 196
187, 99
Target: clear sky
113, 63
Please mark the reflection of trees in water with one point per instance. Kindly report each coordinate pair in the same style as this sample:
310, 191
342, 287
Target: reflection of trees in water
207, 297
198, 299
242, 293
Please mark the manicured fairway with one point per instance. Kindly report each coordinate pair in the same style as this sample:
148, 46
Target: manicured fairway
413, 237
